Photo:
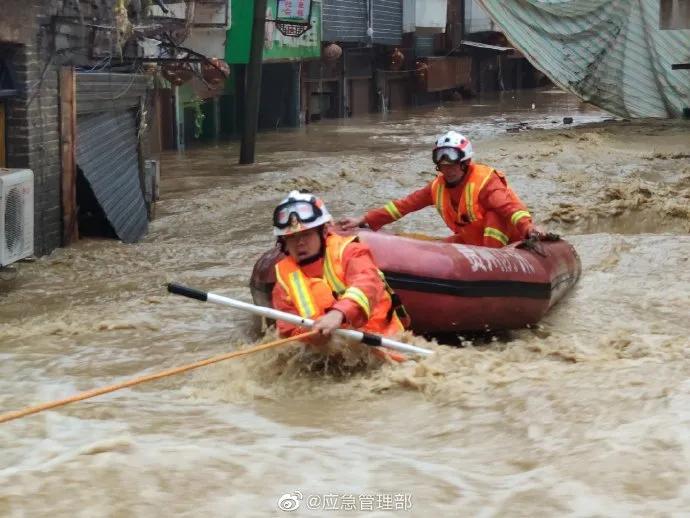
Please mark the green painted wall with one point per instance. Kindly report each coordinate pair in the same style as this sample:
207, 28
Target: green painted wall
240, 33
276, 46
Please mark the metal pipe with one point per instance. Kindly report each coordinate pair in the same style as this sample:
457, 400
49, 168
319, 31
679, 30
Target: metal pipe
359, 336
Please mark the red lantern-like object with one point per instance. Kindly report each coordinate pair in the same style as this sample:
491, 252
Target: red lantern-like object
177, 72
332, 52
397, 59
421, 72
215, 71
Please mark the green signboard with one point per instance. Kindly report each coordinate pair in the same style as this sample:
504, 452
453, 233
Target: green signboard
239, 36
277, 47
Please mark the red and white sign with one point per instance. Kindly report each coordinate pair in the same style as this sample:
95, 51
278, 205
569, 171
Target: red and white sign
294, 10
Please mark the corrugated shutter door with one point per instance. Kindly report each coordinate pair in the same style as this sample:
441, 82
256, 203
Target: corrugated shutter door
99, 91
344, 20
387, 22
107, 154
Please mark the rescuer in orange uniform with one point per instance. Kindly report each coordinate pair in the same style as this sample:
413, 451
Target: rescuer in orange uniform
473, 199
326, 277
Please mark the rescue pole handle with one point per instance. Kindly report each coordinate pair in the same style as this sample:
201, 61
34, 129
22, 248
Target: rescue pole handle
185, 291
359, 336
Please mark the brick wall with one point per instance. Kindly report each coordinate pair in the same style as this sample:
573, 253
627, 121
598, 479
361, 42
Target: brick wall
32, 116
33, 131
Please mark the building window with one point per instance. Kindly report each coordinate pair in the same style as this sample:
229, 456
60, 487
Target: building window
7, 81
674, 14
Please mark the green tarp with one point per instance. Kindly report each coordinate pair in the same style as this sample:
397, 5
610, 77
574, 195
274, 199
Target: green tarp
611, 53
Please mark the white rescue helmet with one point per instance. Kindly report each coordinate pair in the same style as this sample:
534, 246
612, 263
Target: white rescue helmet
452, 146
299, 212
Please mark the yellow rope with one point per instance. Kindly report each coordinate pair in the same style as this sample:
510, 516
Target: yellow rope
150, 377
420, 237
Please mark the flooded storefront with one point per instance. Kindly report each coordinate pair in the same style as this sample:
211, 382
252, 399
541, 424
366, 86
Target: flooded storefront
586, 414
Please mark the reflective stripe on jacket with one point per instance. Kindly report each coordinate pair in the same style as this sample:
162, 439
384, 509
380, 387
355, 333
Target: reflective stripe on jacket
469, 209
312, 296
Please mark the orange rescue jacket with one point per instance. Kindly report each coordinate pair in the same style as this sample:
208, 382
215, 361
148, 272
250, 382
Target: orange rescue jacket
312, 296
468, 218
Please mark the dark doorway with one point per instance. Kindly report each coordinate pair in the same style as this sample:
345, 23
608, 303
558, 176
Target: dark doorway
279, 96
90, 216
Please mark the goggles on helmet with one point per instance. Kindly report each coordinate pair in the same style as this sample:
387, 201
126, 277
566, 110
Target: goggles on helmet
450, 154
304, 211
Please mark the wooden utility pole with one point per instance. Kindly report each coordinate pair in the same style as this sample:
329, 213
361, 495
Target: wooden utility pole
68, 142
253, 85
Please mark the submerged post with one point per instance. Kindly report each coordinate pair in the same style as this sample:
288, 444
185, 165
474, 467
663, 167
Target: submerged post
253, 84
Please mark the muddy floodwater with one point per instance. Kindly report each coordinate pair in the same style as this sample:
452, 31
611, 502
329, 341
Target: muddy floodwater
587, 414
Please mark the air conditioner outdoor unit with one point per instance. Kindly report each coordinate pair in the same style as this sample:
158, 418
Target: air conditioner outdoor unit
16, 215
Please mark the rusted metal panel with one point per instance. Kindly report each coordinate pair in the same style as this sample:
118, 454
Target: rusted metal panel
446, 73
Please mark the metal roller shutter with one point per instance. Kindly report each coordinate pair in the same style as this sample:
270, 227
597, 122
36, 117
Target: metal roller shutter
107, 153
344, 20
387, 22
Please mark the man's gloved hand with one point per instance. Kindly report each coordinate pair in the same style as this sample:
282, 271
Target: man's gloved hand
534, 238
535, 234
350, 223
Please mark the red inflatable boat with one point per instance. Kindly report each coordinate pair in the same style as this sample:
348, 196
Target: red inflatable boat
448, 287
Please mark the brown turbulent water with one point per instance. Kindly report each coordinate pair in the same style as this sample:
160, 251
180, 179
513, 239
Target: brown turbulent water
588, 414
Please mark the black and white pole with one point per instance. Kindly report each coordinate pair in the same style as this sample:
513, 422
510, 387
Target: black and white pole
359, 336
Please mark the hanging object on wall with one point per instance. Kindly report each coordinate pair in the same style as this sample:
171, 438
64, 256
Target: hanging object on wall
177, 72
421, 72
397, 59
123, 25
150, 69
215, 71
332, 52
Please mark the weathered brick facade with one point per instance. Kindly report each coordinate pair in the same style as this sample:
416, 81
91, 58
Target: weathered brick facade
27, 43
33, 139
